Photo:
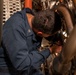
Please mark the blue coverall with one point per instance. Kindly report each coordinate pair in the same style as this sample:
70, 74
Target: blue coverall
19, 53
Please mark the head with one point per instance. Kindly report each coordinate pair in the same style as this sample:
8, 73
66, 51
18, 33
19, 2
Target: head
44, 22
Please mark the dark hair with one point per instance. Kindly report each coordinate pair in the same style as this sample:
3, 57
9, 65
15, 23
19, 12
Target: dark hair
44, 21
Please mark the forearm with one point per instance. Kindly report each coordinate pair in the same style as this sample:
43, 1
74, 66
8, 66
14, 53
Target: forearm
33, 59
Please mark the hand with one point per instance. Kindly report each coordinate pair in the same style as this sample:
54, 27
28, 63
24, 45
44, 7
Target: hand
56, 48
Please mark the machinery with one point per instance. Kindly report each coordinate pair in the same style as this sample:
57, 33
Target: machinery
67, 11
57, 63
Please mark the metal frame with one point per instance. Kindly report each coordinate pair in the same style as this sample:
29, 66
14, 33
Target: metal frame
10, 7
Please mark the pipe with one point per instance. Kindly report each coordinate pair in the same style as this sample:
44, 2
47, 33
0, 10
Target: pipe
74, 1
66, 14
62, 63
69, 50
28, 4
1, 18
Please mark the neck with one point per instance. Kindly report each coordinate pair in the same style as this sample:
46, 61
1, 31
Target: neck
30, 18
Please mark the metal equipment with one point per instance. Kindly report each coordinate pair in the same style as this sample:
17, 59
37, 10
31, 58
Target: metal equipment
66, 9
67, 12
9, 8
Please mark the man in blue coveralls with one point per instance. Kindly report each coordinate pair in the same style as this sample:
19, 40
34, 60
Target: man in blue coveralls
21, 39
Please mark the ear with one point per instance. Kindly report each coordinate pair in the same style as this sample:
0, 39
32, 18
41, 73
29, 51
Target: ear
39, 33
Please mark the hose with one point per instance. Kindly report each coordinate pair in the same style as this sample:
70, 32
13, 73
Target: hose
67, 16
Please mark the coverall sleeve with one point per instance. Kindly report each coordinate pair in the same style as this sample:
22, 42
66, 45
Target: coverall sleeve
14, 40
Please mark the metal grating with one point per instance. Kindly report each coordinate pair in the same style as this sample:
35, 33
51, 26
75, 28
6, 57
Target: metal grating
10, 7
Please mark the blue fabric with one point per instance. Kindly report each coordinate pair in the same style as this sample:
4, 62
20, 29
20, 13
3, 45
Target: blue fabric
20, 46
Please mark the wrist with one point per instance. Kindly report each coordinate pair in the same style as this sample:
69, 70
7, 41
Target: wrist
50, 49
